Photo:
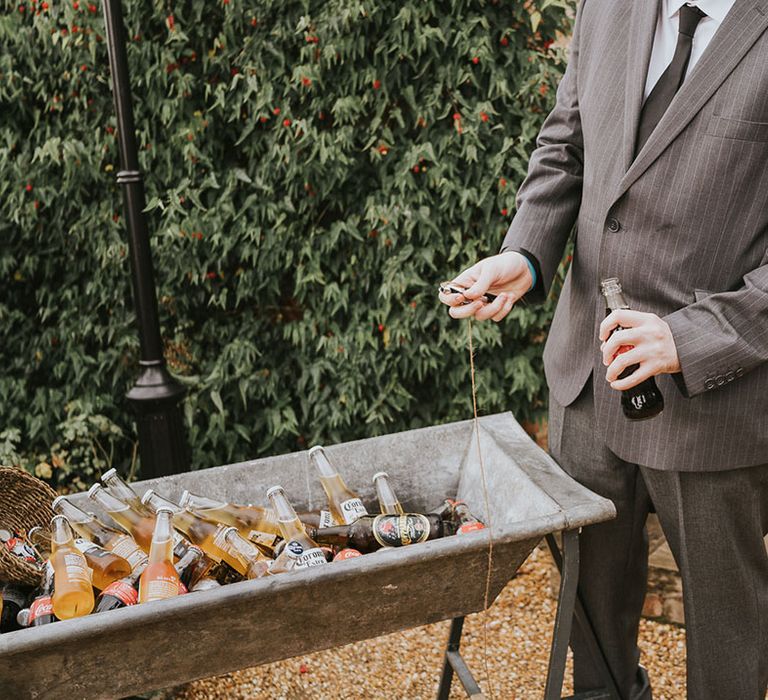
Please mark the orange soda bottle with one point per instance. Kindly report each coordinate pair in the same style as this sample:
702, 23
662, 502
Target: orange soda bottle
160, 579
72, 589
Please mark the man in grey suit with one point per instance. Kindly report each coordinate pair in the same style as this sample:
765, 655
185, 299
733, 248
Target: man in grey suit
657, 152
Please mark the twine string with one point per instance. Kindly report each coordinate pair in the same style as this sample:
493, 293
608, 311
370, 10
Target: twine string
489, 524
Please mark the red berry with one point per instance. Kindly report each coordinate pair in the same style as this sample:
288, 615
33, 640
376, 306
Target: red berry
303, 668
456, 116
262, 119
383, 150
376, 84
75, 5
44, 5
416, 168
503, 212
276, 111
381, 327
37, 204
254, 21
83, 67
286, 122
306, 82
28, 188
483, 116
211, 275
75, 29
503, 182
475, 60
92, 8
21, 8
504, 41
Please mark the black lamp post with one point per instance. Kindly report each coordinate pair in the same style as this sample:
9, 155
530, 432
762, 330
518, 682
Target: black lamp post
156, 397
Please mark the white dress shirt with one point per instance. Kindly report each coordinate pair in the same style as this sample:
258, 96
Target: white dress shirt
665, 39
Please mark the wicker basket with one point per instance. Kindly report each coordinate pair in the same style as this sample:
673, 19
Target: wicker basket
24, 502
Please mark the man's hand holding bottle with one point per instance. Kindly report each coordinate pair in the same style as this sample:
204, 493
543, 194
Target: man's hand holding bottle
507, 276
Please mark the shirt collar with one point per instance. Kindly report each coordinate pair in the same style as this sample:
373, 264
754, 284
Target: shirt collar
716, 9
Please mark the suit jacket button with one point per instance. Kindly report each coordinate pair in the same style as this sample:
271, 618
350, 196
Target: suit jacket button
739, 371
730, 375
614, 226
709, 384
720, 380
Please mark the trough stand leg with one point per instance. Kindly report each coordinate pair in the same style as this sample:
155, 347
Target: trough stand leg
455, 663
570, 608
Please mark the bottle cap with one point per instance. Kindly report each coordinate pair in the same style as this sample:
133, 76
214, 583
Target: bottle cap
109, 474
378, 474
94, 489
316, 448
275, 489
56, 501
164, 509
227, 531
147, 495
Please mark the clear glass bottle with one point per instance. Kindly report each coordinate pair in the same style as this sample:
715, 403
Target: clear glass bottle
344, 504
388, 501
160, 579
72, 589
122, 491
297, 541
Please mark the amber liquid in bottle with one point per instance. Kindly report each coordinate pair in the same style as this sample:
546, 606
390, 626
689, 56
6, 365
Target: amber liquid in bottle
160, 579
140, 526
297, 541
105, 565
91, 528
206, 534
72, 590
344, 504
388, 501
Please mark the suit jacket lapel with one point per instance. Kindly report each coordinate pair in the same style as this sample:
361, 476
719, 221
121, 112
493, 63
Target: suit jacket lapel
741, 28
642, 28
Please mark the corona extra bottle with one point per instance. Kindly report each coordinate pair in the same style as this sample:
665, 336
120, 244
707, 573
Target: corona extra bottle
388, 501
297, 542
252, 563
344, 505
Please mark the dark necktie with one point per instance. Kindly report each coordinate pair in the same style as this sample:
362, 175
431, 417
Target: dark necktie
672, 78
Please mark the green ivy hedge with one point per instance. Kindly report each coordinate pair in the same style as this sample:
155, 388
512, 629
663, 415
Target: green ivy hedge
313, 170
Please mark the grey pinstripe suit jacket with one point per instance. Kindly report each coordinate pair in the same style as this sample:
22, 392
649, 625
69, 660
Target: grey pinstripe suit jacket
692, 241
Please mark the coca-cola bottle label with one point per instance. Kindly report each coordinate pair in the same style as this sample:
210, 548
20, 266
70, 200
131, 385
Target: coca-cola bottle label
470, 527
40, 607
352, 509
123, 591
347, 553
400, 530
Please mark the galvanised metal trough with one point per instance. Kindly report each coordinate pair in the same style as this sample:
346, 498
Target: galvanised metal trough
160, 644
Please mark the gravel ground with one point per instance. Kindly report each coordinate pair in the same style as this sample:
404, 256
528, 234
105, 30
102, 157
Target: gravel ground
519, 632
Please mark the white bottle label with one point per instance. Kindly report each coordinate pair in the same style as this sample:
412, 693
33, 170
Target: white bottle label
326, 519
77, 569
126, 548
352, 510
311, 557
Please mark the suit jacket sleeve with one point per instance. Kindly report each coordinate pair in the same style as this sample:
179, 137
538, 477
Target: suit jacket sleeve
722, 336
548, 201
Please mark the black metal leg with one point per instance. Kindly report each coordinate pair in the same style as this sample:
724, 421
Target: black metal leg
568, 565
569, 578
454, 663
